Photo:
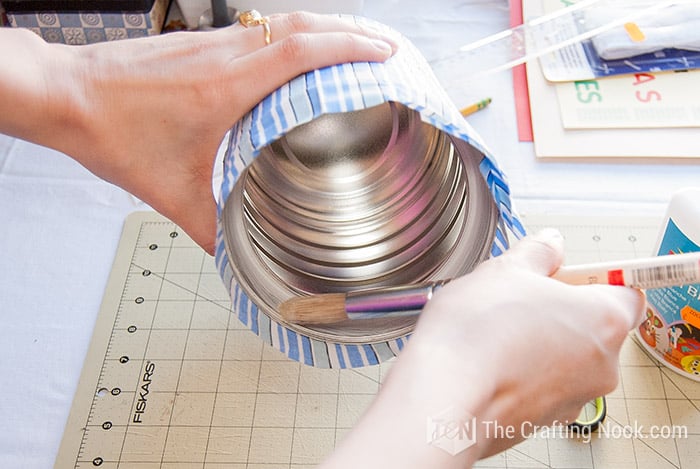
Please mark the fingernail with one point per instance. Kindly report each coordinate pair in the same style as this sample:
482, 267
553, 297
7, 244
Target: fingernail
551, 236
383, 46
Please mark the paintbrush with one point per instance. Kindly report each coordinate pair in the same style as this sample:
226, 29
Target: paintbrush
645, 273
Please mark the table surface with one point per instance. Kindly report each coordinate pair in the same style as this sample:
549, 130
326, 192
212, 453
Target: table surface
61, 226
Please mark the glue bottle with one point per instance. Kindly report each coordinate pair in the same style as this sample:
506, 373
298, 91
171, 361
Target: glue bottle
671, 329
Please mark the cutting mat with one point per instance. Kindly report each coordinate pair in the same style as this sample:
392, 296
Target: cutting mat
172, 380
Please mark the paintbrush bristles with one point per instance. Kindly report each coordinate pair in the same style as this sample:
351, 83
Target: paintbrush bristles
315, 309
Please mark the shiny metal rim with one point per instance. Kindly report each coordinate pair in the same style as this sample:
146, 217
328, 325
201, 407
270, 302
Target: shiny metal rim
294, 235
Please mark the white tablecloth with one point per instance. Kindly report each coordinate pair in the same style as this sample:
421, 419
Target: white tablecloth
60, 226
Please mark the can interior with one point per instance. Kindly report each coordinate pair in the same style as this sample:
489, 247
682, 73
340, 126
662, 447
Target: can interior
357, 200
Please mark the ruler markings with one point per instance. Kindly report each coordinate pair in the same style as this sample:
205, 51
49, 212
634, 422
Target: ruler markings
97, 393
145, 348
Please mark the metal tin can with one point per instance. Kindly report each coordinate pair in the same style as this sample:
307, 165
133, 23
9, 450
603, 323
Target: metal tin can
350, 177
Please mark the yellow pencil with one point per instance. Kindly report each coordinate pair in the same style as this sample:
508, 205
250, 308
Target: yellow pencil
475, 107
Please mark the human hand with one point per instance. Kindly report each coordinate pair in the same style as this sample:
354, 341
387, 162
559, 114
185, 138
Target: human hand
504, 344
541, 347
149, 114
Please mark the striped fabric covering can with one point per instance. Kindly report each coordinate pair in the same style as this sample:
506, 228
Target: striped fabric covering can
405, 78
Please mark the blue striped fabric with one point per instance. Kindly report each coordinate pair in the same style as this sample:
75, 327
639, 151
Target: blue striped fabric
405, 78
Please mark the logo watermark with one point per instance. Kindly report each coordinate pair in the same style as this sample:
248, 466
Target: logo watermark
451, 432
456, 432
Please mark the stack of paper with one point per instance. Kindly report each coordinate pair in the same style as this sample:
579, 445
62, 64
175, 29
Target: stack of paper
642, 114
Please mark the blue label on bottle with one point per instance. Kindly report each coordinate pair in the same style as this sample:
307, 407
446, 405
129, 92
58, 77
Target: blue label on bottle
672, 325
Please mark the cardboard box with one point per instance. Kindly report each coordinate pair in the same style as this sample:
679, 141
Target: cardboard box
87, 22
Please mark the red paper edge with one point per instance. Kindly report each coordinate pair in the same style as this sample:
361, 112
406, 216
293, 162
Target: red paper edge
520, 91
